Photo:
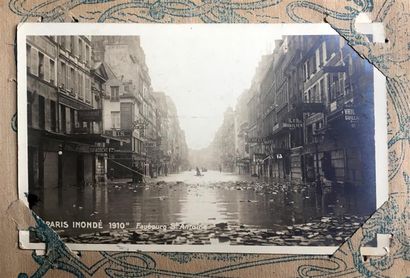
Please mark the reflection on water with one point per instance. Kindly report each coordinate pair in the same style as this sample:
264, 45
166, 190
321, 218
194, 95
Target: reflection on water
185, 198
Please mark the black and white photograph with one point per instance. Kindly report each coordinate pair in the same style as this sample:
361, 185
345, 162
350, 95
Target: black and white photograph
199, 138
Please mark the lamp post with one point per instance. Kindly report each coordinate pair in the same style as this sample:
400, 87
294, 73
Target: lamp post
318, 137
141, 124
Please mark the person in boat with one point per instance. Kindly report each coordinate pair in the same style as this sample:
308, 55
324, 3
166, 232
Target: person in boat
198, 173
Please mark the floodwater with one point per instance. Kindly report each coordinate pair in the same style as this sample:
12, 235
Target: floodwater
209, 199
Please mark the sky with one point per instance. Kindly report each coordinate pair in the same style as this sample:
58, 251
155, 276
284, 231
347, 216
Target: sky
204, 68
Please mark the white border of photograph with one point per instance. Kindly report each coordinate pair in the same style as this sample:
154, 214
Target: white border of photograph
95, 29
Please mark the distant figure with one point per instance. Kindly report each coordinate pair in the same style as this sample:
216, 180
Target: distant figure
220, 169
137, 176
111, 174
198, 173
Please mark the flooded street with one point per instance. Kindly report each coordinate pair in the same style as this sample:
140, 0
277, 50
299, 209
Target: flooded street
212, 199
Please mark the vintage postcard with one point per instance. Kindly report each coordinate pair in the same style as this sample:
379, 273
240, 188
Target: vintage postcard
199, 138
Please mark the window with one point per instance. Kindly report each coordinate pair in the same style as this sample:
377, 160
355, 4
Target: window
63, 119
63, 41
350, 65
71, 79
63, 78
88, 89
76, 123
341, 85
28, 55
330, 87
322, 89
115, 91
309, 134
314, 65
41, 112
40, 65
115, 119
72, 121
84, 53
68, 43
53, 116
29, 109
307, 96
52, 72
34, 61
144, 92
77, 82
81, 83
80, 52
315, 94
75, 40
87, 54
307, 70
72, 47
324, 52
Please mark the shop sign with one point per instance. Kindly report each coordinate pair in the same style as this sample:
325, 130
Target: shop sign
275, 127
294, 123
97, 149
255, 140
258, 156
149, 144
118, 132
333, 106
350, 115
91, 115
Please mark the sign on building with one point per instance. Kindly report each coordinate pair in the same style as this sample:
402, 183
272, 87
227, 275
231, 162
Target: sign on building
350, 116
295, 123
97, 149
91, 115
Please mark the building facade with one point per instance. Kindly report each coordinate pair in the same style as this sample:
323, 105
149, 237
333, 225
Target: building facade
308, 107
242, 158
223, 145
146, 121
63, 111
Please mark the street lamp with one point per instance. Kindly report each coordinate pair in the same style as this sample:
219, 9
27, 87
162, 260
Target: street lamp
318, 138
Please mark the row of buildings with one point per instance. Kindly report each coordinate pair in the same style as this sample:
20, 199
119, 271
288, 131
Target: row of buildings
92, 113
308, 115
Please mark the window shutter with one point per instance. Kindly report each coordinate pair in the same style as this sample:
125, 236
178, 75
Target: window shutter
46, 69
89, 89
89, 55
84, 51
324, 57
317, 62
84, 88
80, 92
79, 80
28, 55
68, 43
76, 46
34, 61
53, 71
74, 82
77, 83
59, 76
69, 78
